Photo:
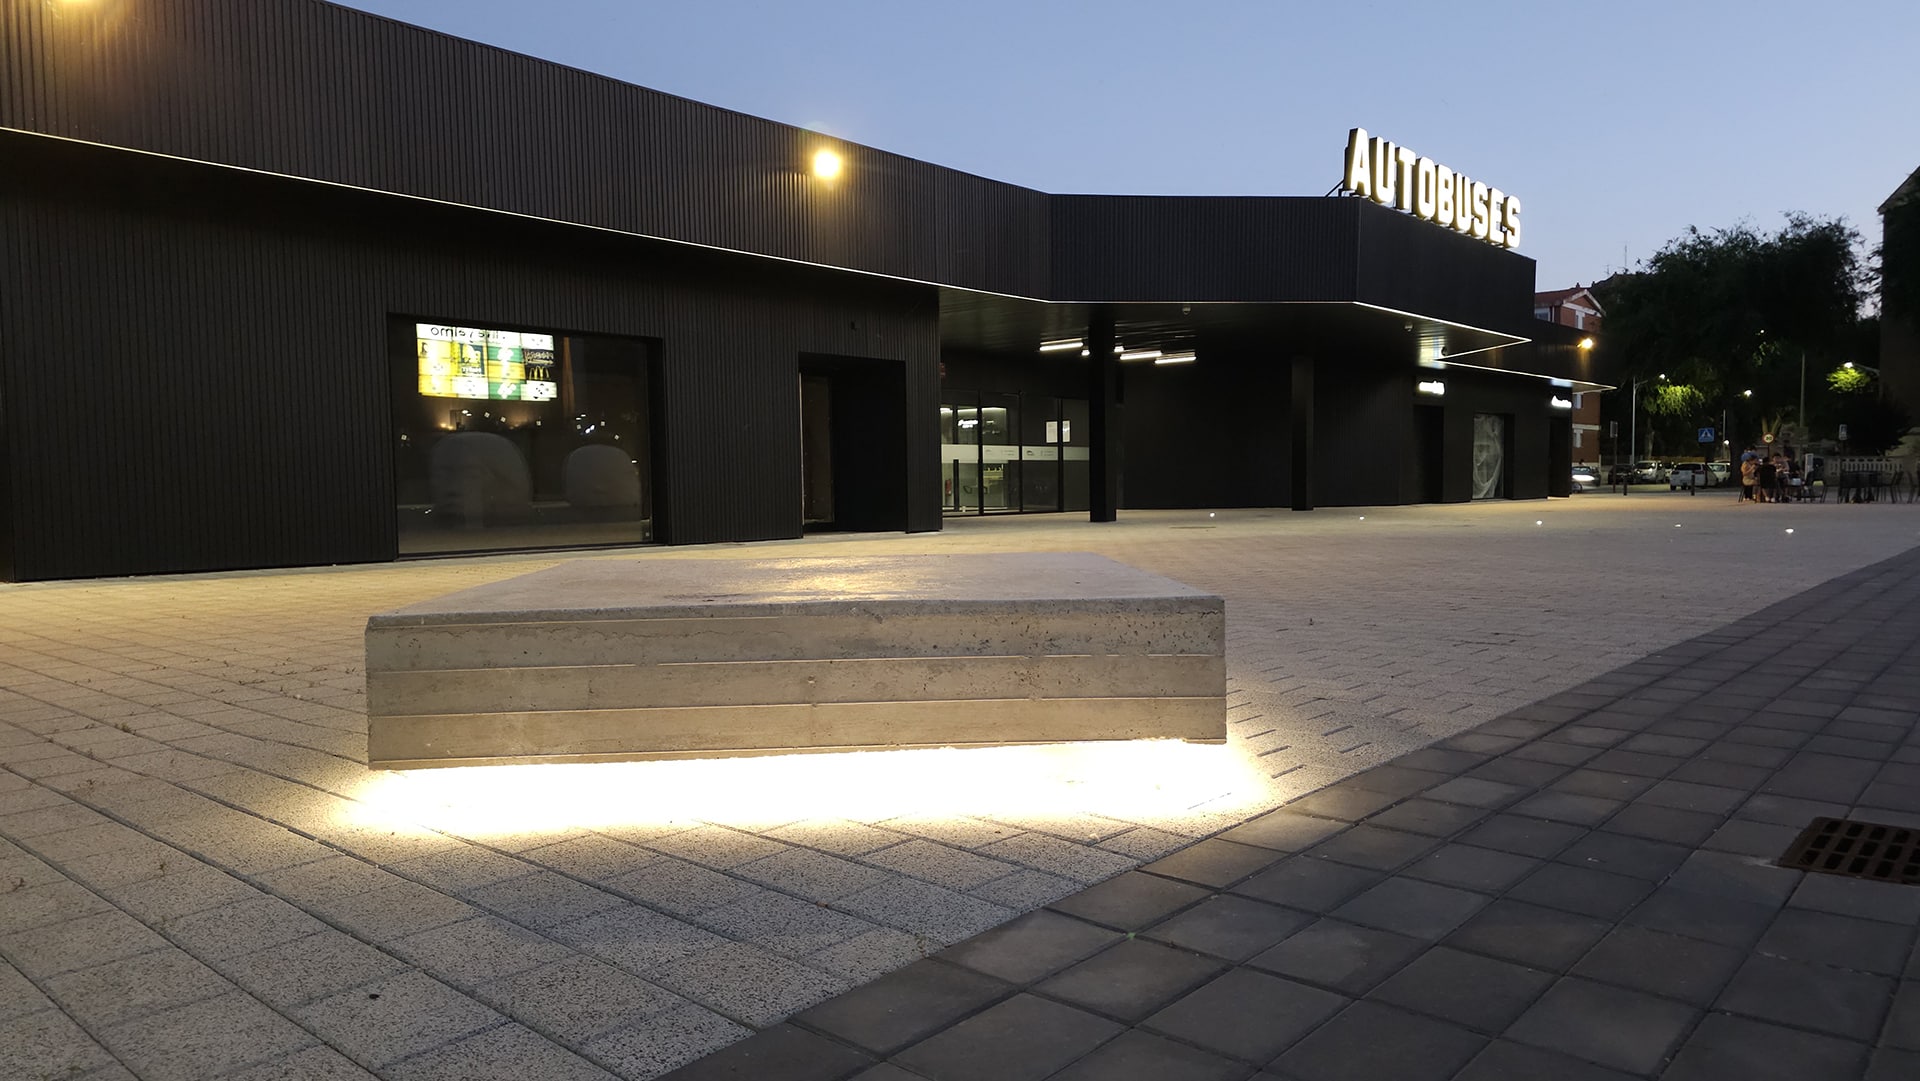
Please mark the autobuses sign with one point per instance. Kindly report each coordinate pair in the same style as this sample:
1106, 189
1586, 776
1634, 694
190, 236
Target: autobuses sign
1397, 176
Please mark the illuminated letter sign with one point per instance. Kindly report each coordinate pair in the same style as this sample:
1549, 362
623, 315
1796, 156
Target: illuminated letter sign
1396, 176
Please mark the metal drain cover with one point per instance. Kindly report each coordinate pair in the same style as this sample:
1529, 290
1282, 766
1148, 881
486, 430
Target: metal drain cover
1841, 846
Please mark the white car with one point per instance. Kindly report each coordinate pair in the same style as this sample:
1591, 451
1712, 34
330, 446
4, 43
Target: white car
1583, 478
1689, 475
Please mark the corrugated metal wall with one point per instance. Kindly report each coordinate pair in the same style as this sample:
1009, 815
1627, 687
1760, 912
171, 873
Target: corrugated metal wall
1134, 248
308, 89
205, 357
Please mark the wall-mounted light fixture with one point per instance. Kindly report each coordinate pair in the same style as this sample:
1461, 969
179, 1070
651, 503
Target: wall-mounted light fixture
827, 164
1061, 345
1176, 358
1586, 343
1141, 354
1558, 402
1434, 387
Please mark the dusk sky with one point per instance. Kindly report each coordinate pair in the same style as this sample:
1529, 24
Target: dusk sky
1619, 124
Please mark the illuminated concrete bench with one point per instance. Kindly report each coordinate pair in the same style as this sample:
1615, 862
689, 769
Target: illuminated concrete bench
657, 658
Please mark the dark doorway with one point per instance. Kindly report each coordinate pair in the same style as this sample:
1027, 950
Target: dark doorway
853, 444
1429, 454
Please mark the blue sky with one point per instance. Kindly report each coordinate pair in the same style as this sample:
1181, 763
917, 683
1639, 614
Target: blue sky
1618, 123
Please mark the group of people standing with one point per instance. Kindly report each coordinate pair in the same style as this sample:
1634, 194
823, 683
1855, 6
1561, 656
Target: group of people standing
1767, 478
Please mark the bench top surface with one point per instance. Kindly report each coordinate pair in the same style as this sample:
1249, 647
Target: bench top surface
591, 589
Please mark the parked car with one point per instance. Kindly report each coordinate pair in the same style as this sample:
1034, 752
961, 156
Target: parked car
1583, 478
1719, 471
1689, 475
1649, 472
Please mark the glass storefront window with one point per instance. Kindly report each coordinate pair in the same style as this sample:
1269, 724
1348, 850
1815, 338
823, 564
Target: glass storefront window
1011, 452
999, 452
514, 437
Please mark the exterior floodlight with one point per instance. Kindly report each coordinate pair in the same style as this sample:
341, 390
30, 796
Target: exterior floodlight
1586, 343
1848, 365
1746, 394
826, 164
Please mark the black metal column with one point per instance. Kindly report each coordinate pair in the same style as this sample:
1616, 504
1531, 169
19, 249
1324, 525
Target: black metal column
1300, 427
1104, 396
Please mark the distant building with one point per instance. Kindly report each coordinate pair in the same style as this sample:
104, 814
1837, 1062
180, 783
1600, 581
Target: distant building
1578, 308
1900, 294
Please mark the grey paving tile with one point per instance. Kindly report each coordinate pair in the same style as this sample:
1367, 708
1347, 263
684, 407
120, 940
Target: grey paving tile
1131, 979
1429, 817
780, 1053
1411, 907
1131, 901
1841, 941
1617, 853
1024, 1038
504, 1053
1476, 792
1584, 890
1137, 1055
1735, 878
1903, 1019
904, 1006
1738, 1047
1847, 1004
1284, 830
1480, 869
1031, 947
1523, 836
1214, 862
1745, 837
1844, 896
1367, 1041
1343, 802
1704, 916
1230, 927
1479, 992
1689, 969
1889, 1064
1567, 807
1621, 1029
1247, 1015
1542, 938
1373, 848
204, 1039
1342, 956
1504, 1060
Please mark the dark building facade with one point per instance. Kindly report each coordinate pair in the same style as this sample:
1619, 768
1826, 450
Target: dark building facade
292, 284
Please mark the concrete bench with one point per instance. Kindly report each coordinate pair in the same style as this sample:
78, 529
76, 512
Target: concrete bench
600, 660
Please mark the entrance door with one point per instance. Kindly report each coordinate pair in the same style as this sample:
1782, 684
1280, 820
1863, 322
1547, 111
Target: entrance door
1489, 456
816, 450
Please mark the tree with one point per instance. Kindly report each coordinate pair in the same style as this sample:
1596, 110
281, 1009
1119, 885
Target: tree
1714, 315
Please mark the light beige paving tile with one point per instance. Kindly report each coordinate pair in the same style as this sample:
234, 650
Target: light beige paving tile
307, 968
119, 991
459, 869
241, 927
204, 1039
592, 857
478, 950
47, 1044
70, 945
577, 998
52, 902
393, 1018
716, 846
18, 995
837, 835
746, 982
1054, 856
813, 875
922, 908
783, 923
402, 909
544, 899
318, 1063
1025, 889
507, 1053
678, 887
649, 1048
187, 886
872, 954
635, 938
953, 868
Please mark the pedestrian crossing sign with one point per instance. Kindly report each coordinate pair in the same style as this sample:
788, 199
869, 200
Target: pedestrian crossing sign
1706, 435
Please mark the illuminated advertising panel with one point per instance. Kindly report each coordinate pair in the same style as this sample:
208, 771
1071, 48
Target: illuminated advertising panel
486, 365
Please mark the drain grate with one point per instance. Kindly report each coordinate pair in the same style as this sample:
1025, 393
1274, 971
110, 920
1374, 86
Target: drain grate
1841, 846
